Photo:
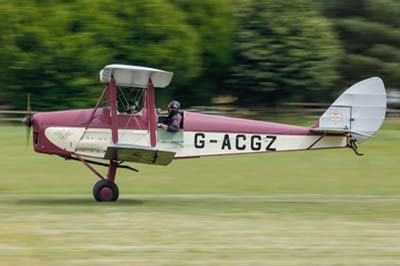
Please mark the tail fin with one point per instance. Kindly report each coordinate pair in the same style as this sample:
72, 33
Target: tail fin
358, 112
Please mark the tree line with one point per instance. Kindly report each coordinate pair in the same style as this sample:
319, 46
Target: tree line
265, 52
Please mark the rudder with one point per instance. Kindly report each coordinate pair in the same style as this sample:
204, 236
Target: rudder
359, 111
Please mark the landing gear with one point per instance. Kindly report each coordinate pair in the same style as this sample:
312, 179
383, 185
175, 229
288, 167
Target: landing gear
105, 190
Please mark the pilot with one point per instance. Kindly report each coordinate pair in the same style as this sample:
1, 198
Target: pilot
132, 107
174, 117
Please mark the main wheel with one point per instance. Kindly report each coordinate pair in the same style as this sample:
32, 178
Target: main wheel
105, 190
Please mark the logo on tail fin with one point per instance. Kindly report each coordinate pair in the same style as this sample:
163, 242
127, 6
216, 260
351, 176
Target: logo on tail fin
335, 116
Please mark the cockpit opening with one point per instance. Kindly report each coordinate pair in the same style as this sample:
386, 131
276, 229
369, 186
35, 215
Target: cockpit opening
130, 100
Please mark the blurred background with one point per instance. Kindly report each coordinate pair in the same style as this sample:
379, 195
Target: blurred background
274, 60
228, 54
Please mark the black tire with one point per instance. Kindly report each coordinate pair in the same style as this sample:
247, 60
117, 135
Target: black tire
111, 187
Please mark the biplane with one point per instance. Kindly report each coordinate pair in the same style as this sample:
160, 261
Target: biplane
120, 135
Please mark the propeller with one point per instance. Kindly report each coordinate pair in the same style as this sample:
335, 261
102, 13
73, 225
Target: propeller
28, 120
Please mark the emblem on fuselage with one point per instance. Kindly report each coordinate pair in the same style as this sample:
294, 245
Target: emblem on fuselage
63, 134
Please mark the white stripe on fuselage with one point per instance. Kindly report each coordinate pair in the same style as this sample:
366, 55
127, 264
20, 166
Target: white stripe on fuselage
94, 142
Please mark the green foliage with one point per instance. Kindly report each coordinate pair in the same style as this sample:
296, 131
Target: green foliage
214, 23
369, 32
290, 56
263, 51
57, 57
383, 11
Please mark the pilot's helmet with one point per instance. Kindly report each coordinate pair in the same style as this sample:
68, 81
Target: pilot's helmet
174, 105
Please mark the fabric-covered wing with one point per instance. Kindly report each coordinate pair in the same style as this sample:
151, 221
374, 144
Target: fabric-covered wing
135, 76
139, 154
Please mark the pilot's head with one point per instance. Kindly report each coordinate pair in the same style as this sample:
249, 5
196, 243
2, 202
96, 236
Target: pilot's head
174, 106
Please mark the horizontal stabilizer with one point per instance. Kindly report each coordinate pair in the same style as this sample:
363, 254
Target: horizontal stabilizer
330, 130
139, 154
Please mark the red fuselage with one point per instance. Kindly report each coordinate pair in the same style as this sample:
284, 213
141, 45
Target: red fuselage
194, 122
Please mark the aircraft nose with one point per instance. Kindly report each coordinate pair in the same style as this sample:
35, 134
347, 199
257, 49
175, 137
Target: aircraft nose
28, 121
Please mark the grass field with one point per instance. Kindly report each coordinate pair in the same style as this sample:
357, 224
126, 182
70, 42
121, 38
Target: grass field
307, 208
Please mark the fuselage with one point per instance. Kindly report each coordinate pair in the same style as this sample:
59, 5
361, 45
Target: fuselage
72, 132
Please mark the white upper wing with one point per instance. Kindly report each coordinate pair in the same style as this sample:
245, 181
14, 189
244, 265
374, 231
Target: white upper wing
135, 76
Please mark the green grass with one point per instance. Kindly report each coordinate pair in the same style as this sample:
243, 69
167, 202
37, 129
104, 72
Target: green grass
298, 208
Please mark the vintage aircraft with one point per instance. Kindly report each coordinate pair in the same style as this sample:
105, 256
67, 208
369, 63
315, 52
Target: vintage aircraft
119, 135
